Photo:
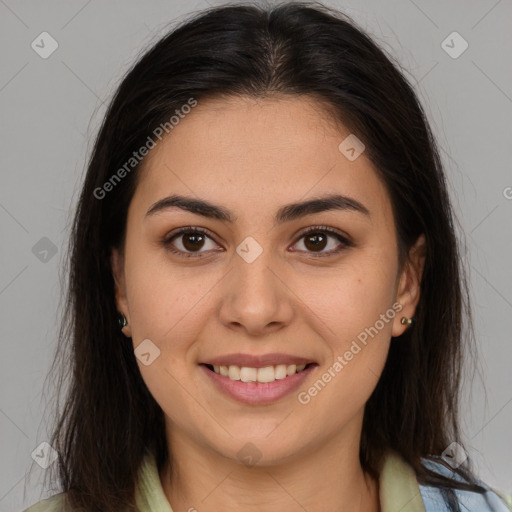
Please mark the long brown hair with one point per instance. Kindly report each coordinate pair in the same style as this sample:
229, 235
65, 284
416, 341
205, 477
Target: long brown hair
109, 419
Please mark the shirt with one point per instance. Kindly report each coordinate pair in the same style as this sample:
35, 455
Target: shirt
398, 490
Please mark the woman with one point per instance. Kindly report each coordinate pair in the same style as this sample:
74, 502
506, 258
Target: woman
265, 211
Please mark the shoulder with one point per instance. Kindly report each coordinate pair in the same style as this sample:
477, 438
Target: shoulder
53, 504
435, 498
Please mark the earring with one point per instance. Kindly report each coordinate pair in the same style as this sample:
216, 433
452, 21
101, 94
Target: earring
122, 320
405, 320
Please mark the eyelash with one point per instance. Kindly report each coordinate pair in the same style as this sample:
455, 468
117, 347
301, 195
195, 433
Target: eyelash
345, 242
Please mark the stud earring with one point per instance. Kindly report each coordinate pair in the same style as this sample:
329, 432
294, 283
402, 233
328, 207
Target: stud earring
405, 320
122, 320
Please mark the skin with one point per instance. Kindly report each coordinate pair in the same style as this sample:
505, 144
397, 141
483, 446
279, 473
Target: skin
252, 157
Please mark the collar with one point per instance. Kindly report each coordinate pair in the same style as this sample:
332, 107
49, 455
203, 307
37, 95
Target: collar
398, 487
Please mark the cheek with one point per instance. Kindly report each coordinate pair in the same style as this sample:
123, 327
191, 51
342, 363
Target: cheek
165, 302
351, 298
354, 308
167, 308
357, 318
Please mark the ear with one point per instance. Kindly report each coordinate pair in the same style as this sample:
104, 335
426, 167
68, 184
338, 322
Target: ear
408, 291
117, 264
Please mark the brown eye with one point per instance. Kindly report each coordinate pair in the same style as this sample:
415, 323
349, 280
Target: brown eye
193, 241
188, 242
315, 241
318, 238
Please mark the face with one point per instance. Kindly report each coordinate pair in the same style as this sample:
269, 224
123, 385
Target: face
256, 285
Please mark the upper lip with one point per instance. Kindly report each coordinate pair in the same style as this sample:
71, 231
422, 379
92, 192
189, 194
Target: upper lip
253, 361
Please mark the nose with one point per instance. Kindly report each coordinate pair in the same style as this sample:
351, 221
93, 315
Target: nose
255, 298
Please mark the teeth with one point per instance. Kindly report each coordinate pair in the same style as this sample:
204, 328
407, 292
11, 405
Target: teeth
280, 370
234, 372
266, 374
248, 374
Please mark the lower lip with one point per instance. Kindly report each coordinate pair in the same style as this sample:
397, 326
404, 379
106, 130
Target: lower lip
258, 393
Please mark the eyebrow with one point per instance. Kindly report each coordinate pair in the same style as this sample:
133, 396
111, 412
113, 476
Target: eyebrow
286, 213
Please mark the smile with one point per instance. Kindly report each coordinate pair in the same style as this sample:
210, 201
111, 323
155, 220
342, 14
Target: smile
257, 386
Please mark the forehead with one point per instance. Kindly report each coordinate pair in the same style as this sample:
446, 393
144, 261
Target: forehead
253, 132
259, 152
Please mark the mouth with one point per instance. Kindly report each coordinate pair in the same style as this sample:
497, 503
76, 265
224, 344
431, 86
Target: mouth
257, 386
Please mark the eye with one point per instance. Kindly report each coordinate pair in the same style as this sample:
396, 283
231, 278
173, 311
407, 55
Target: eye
316, 239
188, 239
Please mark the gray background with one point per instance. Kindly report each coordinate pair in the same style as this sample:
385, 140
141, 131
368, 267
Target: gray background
52, 107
